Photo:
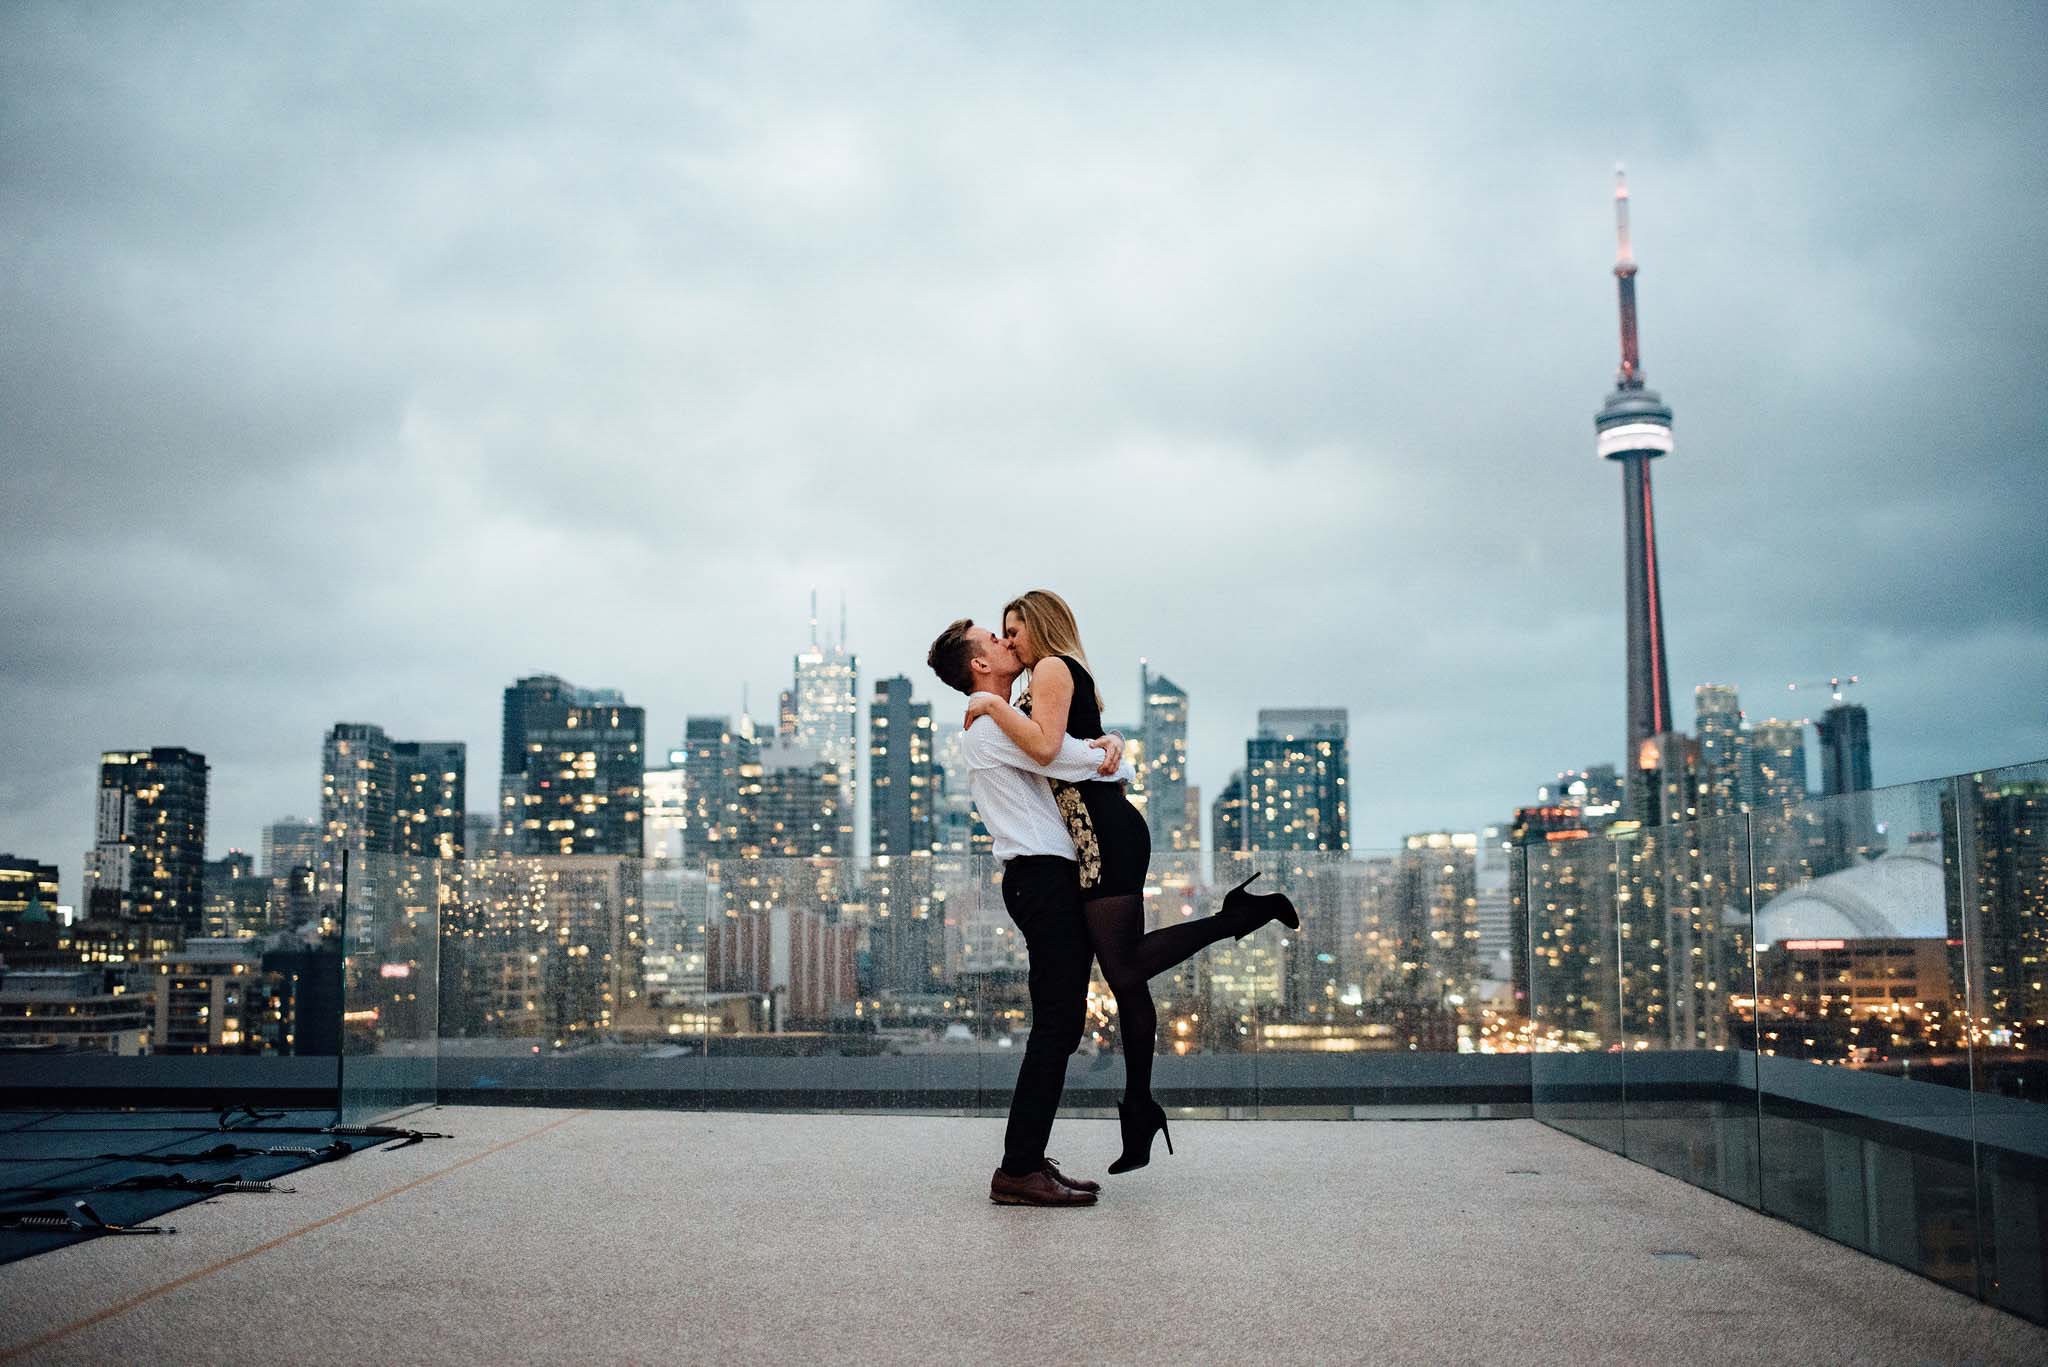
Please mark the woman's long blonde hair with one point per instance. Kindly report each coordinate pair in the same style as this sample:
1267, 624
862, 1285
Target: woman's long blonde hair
1052, 624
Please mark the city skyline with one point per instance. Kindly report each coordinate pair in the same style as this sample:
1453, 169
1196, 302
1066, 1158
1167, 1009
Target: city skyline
1356, 277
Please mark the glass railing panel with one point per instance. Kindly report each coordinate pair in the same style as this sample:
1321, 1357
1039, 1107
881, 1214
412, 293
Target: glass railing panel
1683, 918
2002, 878
837, 983
1861, 1021
390, 909
1575, 1027
127, 1008
552, 1004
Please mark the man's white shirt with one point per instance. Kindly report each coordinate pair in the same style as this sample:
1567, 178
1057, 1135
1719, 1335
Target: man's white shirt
1011, 794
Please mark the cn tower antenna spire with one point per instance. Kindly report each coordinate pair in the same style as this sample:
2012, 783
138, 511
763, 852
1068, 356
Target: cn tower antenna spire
1631, 376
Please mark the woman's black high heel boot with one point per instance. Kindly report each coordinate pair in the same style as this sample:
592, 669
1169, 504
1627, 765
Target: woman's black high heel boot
1254, 909
1140, 1120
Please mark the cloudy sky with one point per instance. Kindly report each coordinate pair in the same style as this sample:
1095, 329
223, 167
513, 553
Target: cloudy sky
356, 360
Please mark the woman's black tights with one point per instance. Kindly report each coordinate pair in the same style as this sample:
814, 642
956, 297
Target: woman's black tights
1130, 960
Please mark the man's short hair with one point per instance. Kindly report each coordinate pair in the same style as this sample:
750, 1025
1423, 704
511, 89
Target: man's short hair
952, 653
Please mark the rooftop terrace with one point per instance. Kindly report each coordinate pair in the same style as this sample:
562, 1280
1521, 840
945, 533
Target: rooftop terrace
535, 1235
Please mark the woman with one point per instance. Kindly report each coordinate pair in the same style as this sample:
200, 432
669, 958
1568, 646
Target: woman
1113, 847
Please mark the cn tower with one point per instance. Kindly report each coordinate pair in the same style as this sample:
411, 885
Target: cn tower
1634, 427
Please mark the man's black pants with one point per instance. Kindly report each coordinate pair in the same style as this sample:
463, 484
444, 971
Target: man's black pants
1043, 896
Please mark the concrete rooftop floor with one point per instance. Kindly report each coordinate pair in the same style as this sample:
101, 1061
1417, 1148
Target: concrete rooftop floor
545, 1236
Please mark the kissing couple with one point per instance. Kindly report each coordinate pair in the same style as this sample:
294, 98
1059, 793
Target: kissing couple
1048, 783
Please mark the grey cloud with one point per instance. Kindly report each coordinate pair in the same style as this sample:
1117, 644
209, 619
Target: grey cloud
357, 360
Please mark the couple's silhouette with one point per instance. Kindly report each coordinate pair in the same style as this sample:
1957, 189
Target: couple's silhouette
1048, 783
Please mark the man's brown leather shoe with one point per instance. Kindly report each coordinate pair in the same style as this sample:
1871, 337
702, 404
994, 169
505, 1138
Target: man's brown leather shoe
1052, 1165
1034, 1189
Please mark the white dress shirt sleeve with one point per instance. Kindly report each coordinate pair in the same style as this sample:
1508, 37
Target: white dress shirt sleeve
986, 746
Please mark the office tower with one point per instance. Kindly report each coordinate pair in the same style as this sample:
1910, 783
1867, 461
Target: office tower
1724, 750
573, 764
385, 798
827, 704
794, 804
149, 852
1634, 428
237, 898
1164, 729
1297, 780
358, 802
902, 773
785, 714
1777, 764
289, 843
431, 816
1571, 893
714, 753
1227, 819
1844, 749
1436, 919
1844, 773
665, 806
28, 903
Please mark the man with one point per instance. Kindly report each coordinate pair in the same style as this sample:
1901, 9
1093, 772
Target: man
1042, 893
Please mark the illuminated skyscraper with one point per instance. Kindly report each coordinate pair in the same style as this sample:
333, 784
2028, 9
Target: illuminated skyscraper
902, 774
149, 854
573, 763
794, 805
1844, 749
1297, 780
1164, 731
715, 750
385, 797
1724, 750
827, 704
1777, 764
432, 797
1227, 818
1634, 427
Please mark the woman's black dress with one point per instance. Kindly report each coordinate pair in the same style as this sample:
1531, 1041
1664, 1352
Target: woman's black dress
1110, 837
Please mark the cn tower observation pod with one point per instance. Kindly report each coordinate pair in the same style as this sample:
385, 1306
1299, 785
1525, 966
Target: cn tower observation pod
1633, 421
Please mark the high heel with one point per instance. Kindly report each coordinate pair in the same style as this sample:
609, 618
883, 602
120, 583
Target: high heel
1254, 909
1139, 1121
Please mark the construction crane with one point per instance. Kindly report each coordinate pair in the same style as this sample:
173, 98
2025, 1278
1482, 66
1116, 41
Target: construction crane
1835, 686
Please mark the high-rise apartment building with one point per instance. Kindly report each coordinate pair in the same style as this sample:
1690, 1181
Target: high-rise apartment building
289, 843
432, 795
1298, 779
358, 801
715, 752
1227, 817
1164, 731
2004, 826
379, 796
1724, 750
1436, 919
1777, 764
794, 804
574, 761
1844, 749
902, 772
149, 850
